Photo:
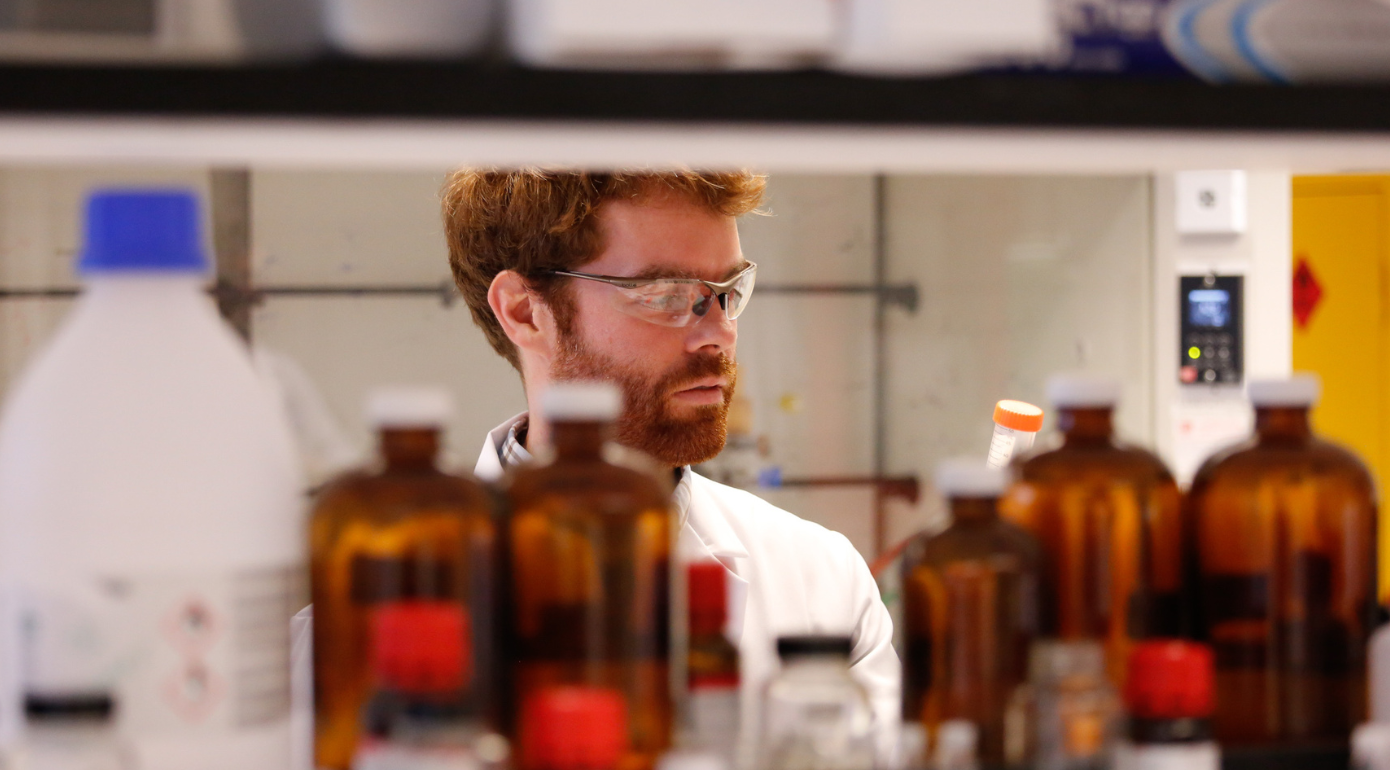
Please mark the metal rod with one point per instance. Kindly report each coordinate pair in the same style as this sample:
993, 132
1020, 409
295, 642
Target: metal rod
880, 378
904, 294
44, 293
231, 243
233, 293
442, 290
908, 488
901, 295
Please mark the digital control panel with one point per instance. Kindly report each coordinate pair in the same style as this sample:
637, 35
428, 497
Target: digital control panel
1211, 343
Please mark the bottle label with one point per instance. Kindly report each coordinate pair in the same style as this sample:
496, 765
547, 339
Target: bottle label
1001, 448
1167, 756
714, 681
380, 755
178, 652
714, 714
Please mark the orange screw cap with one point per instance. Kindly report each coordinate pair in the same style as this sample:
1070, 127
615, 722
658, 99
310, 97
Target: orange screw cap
1018, 415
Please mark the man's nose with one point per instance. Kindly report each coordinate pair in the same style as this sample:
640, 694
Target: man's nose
714, 332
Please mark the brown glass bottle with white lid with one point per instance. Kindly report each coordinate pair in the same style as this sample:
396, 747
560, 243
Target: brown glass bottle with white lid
969, 609
399, 531
1283, 574
1109, 517
590, 543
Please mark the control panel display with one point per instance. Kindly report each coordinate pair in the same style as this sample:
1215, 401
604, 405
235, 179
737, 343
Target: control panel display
1209, 307
1211, 340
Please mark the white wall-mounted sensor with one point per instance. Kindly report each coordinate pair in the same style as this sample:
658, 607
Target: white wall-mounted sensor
1211, 202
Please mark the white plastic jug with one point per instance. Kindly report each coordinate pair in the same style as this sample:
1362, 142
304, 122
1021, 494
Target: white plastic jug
151, 531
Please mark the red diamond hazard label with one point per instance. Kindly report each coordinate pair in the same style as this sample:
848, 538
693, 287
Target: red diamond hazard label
193, 691
1307, 292
192, 626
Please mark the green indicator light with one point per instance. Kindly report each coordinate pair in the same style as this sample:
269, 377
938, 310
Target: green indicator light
1194, 352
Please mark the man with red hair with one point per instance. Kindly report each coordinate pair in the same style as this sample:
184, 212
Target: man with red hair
637, 279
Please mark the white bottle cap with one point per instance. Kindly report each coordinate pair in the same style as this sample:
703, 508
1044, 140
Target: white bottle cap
1302, 389
912, 745
1080, 390
1052, 661
691, 760
1370, 746
957, 741
407, 406
582, 401
965, 477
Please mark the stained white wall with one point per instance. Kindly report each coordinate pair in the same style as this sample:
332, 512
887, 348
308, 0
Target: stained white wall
806, 360
1019, 276
347, 229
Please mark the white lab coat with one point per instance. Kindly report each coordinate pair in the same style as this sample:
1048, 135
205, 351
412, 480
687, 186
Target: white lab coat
786, 576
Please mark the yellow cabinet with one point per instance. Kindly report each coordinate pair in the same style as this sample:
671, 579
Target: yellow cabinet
1341, 255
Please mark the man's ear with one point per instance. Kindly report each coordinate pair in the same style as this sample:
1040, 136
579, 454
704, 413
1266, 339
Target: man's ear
526, 320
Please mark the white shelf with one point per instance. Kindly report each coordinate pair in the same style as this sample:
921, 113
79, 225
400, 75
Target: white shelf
438, 144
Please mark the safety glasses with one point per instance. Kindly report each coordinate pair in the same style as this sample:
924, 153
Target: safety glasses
676, 301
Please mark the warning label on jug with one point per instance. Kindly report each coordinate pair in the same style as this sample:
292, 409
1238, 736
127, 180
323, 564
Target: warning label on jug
176, 652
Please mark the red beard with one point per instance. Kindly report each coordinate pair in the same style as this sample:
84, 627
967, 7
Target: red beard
646, 423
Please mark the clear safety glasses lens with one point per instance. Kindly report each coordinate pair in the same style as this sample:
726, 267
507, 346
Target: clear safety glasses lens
677, 303
738, 296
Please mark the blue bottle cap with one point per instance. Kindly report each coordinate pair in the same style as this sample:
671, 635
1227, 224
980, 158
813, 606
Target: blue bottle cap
148, 230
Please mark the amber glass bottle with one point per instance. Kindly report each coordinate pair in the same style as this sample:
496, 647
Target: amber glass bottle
1109, 517
970, 609
1284, 575
403, 531
590, 546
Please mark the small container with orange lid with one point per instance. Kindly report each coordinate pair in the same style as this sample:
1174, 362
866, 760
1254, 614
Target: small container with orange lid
1016, 425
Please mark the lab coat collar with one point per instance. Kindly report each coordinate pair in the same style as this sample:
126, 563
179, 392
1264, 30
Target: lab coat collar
707, 535
708, 521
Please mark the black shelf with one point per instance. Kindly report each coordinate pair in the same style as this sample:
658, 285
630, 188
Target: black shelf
482, 90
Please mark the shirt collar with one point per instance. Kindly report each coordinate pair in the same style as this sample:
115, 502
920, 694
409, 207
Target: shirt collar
680, 498
513, 450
